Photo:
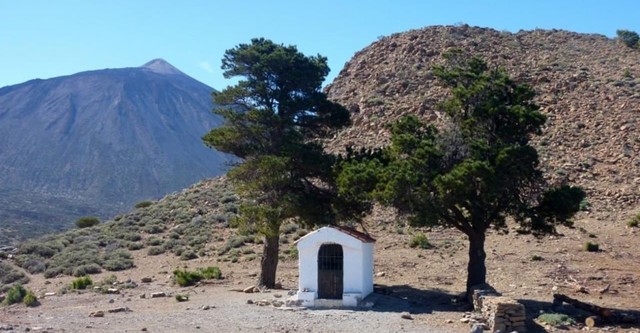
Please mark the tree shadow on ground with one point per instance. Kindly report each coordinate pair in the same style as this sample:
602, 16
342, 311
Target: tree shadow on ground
405, 298
534, 308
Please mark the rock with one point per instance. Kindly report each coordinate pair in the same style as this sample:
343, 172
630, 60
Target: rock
97, 314
116, 310
49, 294
465, 320
293, 303
144, 329
158, 294
251, 289
380, 274
146, 280
112, 300
448, 321
143, 295
477, 328
208, 307
263, 302
277, 304
406, 315
249, 301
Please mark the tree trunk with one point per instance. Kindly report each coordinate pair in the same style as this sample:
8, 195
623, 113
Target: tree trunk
605, 313
592, 321
269, 262
476, 270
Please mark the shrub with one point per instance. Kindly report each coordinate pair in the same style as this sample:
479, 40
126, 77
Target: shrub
130, 236
188, 255
53, 272
229, 199
117, 260
82, 252
234, 242
81, 283
591, 247
170, 244
87, 221
556, 319
232, 209
144, 204
537, 258
109, 280
178, 250
182, 298
289, 228
420, 240
584, 205
41, 249
154, 241
155, 250
15, 295
132, 246
30, 299
211, 272
9, 275
634, 222
301, 232
32, 264
292, 252
629, 38
86, 270
153, 229
186, 278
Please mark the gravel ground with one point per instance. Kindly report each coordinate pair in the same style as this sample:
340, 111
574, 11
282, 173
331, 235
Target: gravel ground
228, 311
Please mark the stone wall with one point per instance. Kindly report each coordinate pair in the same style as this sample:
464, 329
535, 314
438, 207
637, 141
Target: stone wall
500, 313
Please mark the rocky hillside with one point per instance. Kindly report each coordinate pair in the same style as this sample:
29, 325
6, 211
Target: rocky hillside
96, 142
586, 84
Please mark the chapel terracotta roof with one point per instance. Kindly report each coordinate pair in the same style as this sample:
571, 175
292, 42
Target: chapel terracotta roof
366, 238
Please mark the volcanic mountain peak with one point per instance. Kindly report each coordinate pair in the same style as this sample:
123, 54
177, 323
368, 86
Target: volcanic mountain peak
95, 142
161, 66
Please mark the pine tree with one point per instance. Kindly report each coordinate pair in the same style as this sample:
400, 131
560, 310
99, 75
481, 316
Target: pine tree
472, 173
279, 112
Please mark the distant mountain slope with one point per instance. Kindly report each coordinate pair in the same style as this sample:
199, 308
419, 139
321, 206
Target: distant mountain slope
586, 84
103, 140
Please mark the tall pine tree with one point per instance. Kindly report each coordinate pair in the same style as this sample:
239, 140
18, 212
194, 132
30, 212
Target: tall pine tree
279, 112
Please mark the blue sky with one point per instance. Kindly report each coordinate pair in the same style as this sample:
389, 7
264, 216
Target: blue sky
44, 38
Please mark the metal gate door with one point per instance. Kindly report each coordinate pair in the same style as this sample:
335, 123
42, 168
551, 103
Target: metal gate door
330, 271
